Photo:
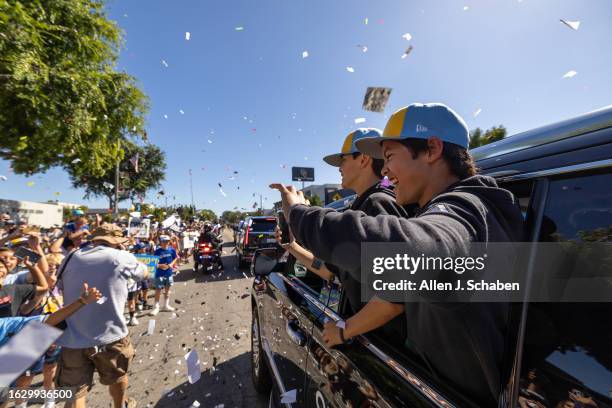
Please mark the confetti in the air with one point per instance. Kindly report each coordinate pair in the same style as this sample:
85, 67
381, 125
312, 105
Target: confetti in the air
3, 178
181, 112
350, 69
239, 28
477, 112
407, 52
366, 21
574, 25
570, 74
75, 161
187, 35
165, 116
209, 141
164, 63
407, 37
222, 192
360, 120
305, 54
30, 184
376, 99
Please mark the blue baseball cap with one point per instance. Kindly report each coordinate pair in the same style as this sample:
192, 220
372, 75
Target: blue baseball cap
139, 246
419, 121
349, 145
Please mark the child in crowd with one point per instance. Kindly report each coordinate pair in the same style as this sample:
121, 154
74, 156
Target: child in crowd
163, 274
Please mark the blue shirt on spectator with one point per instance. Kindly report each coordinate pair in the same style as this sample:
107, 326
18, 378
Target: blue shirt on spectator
166, 256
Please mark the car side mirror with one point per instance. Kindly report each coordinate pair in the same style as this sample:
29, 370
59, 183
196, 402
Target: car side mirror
264, 261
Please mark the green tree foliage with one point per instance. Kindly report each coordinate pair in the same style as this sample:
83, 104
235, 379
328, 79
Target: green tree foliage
232, 217
478, 138
315, 200
208, 215
151, 172
61, 99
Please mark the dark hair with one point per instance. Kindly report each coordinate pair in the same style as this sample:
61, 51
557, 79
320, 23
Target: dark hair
377, 164
458, 158
6, 249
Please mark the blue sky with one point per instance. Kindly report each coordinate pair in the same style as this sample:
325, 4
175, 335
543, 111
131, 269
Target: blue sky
506, 57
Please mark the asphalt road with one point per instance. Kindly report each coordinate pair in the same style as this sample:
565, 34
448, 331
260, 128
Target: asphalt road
213, 317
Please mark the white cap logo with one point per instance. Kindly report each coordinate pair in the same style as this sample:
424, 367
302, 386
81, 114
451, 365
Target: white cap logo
421, 128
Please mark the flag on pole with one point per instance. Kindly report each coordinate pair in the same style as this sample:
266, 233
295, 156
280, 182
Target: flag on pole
134, 161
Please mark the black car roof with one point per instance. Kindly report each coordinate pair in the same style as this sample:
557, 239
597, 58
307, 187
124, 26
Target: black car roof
585, 138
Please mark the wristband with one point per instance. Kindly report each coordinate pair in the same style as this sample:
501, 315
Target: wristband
317, 264
342, 335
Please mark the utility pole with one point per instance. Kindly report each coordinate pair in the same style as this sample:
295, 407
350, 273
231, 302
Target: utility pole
116, 204
191, 185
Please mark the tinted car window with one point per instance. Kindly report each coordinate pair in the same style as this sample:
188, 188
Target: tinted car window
262, 226
567, 359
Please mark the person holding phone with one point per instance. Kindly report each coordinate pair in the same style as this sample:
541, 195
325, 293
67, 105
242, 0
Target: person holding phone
14, 296
362, 174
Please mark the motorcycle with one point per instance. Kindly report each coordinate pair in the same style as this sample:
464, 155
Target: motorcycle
207, 256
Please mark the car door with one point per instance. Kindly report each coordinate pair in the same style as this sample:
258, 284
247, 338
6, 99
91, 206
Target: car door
367, 372
285, 326
567, 347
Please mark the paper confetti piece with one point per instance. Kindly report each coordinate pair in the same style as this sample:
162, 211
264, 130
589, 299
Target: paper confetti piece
366, 21
477, 112
165, 116
164, 63
222, 192
359, 120
385, 182
102, 300
407, 52
574, 25
75, 161
570, 74
187, 35
407, 37
350, 69
210, 141
151, 328
305, 54
181, 112
240, 28
289, 397
376, 99
30, 184
3, 178
341, 324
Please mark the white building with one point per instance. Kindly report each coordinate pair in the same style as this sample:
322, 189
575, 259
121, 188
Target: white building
42, 214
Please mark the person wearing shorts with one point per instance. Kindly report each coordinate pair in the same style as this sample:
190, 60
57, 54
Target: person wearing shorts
163, 275
97, 339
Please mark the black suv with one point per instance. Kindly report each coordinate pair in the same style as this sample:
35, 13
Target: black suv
254, 232
562, 177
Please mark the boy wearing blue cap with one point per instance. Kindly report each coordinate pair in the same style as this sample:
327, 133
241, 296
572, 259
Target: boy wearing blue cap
362, 174
425, 151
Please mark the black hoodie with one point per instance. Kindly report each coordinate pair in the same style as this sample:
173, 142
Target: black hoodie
464, 345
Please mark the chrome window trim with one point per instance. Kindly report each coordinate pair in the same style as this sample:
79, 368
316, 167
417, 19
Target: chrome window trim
277, 377
556, 171
407, 375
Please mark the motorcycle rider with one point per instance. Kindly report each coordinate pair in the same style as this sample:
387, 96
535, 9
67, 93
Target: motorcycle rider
207, 236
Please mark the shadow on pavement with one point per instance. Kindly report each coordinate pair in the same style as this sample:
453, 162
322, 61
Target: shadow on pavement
229, 384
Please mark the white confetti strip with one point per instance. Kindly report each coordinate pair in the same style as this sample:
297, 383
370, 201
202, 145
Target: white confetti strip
359, 120
164, 63
187, 35
350, 69
574, 25
305, 54
477, 112
407, 37
570, 74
